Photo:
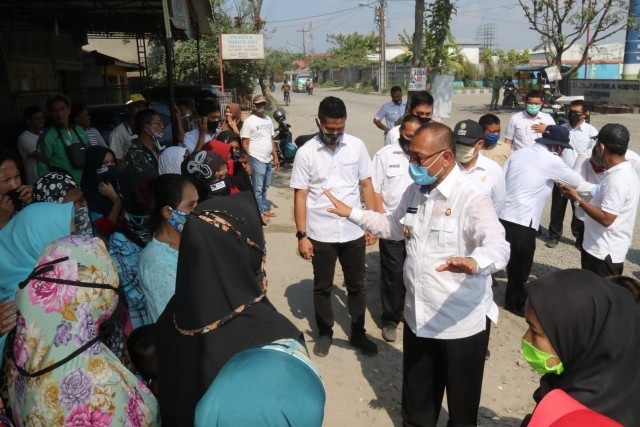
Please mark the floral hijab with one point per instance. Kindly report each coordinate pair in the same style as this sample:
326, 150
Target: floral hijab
60, 373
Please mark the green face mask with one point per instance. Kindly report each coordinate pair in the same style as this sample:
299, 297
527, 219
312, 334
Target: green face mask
465, 153
538, 359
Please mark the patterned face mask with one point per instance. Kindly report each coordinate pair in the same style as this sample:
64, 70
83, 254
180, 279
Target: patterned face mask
83, 222
178, 219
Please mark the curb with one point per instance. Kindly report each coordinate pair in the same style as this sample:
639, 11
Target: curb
471, 91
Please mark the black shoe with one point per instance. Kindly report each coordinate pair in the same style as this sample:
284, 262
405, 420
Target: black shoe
362, 342
389, 333
488, 355
515, 310
322, 345
551, 243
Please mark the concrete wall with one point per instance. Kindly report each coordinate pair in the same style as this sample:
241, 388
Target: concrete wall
626, 92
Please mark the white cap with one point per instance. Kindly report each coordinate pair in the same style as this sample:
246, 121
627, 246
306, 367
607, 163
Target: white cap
546, 87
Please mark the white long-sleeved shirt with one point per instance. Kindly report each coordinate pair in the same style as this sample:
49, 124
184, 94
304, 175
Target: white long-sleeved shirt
391, 175
529, 175
454, 219
487, 174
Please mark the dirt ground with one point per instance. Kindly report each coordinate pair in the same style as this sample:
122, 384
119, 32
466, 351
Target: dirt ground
366, 391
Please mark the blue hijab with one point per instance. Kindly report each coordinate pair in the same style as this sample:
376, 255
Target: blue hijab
25, 236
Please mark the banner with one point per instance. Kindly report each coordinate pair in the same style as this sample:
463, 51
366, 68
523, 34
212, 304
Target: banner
242, 46
418, 79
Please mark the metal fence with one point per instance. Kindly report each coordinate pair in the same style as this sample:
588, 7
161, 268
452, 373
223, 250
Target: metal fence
397, 74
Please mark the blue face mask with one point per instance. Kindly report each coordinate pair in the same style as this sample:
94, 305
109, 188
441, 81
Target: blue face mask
178, 219
420, 174
533, 109
491, 138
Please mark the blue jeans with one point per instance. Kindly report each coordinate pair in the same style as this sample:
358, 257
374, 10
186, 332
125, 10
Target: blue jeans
260, 179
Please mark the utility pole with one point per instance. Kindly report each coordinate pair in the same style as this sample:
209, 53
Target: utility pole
383, 46
304, 48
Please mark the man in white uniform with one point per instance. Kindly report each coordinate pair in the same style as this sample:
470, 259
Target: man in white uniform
340, 162
421, 105
484, 172
530, 173
524, 127
454, 243
390, 180
611, 213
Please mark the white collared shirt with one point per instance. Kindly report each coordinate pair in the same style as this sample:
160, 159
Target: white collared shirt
488, 175
391, 112
191, 139
454, 219
392, 136
316, 168
520, 131
391, 175
581, 139
617, 193
529, 176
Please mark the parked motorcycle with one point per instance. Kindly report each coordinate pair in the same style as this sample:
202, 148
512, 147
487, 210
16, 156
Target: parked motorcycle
285, 147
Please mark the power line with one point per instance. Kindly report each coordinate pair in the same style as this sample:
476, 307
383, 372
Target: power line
314, 16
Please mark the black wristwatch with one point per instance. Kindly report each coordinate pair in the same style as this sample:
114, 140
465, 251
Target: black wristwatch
301, 234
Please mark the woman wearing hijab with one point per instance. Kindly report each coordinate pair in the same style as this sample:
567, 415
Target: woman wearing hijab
174, 198
59, 372
171, 160
220, 307
128, 239
584, 336
60, 187
275, 384
208, 172
239, 180
233, 118
100, 187
21, 241
13, 194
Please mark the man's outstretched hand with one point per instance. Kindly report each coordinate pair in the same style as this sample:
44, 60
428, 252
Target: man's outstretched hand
459, 265
340, 208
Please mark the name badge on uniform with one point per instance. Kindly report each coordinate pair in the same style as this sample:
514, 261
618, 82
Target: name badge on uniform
394, 166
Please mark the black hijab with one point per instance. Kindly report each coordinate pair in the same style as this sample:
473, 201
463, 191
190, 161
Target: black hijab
201, 167
93, 161
594, 327
218, 272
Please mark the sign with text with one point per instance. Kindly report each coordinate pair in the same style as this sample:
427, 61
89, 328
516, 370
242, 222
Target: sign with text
418, 79
242, 46
626, 92
553, 73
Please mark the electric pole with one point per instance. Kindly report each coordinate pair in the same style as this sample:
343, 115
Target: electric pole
383, 46
304, 48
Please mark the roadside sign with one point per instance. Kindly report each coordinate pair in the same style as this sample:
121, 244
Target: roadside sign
418, 79
553, 73
242, 46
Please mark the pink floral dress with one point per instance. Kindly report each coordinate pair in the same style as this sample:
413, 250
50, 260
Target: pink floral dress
56, 319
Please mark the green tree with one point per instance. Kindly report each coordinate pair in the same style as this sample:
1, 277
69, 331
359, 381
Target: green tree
562, 23
278, 62
352, 49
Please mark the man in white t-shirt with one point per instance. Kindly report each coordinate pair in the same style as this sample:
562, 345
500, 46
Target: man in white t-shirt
208, 123
390, 111
524, 127
28, 143
390, 180
339, 162
611, 213
122, 135
257, 140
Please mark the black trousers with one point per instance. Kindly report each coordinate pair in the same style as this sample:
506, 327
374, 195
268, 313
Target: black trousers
523, 247
556, 222
431, 366
352, 259
392, 256
602, 267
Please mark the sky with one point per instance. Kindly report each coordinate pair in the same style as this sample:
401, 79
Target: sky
284, 17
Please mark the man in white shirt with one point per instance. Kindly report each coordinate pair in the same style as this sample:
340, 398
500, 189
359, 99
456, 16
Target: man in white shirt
28, 143
486, 173
421, 105
524, 127
122, 135
257, 140
390, 111
581, 134
208, 120
611, 213
530, 174
454, 243
390, 180
341, 163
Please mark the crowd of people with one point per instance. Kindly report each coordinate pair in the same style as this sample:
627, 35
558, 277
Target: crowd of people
134, 287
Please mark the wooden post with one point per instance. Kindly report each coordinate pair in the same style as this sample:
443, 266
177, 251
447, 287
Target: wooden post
220, 60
